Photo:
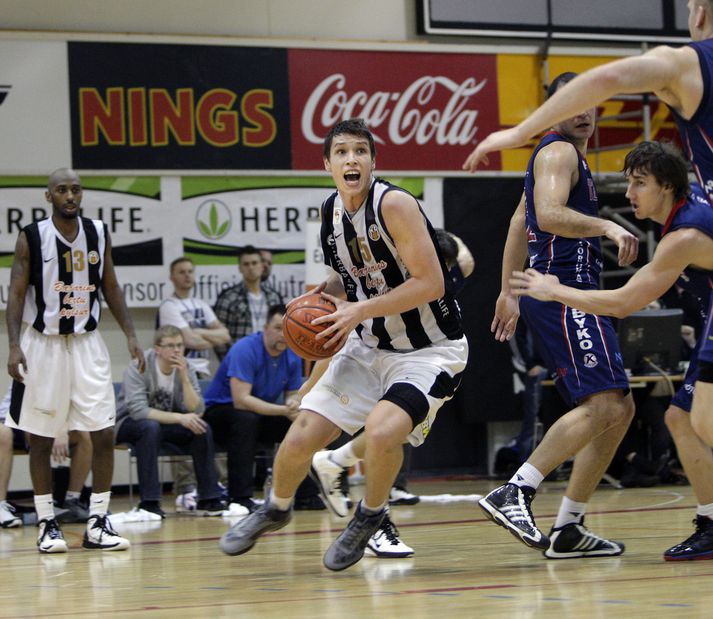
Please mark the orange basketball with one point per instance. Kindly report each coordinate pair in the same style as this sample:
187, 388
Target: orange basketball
300, 333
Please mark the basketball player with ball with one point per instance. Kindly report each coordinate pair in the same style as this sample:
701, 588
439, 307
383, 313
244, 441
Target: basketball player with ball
397, 330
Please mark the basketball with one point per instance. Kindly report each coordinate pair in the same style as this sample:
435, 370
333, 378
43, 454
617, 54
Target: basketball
300, 333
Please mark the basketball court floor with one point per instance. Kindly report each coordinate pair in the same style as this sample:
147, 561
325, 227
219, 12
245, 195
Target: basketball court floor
464, 566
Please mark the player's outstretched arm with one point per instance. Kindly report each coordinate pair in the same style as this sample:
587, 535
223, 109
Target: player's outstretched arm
662, 70
674, 253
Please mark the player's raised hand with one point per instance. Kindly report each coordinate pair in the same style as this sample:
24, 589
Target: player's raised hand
499, 140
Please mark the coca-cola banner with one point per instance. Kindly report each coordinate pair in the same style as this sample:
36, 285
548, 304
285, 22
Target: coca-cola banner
425, 110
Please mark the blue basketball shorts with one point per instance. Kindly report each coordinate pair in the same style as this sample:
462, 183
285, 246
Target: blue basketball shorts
706, 340
581, 350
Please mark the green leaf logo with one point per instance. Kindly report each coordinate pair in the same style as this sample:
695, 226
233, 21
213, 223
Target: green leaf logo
213, 219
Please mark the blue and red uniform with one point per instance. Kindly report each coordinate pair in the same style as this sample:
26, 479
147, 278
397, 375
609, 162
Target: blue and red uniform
580, 349
697, 138
693, 212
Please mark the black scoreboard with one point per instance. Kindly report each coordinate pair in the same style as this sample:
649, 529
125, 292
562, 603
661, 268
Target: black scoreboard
655, 21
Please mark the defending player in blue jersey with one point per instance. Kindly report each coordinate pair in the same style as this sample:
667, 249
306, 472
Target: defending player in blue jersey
680, 77
558, 227
658, 190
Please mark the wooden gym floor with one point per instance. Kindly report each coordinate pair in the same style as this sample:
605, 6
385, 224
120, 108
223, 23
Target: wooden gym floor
464, 567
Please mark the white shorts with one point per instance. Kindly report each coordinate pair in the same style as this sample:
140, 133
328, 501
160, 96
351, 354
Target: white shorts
68, 381
359, 376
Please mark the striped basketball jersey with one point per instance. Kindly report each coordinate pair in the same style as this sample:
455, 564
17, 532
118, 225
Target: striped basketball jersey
577, 262
697, 133
694, 212
360, 249
65, 278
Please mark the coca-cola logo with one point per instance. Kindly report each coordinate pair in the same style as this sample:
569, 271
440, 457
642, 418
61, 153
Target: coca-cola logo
433, 108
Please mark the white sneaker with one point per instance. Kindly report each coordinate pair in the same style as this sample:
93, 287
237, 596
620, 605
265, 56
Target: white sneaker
100, 534
399, 496
187, 502
325, 474
50, 538
8, 516
386, 542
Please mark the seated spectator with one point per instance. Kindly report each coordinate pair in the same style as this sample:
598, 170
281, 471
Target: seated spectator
243, 405
76, 445
164, 405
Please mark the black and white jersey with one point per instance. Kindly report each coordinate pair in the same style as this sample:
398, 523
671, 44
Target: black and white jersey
65, 278
361, 251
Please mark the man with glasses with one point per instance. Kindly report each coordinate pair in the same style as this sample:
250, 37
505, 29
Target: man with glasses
162, 405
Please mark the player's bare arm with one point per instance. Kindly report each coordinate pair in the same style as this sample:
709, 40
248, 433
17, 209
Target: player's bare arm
507, 307
556, 172
117, 305
666, 71
407, 225
675, 252
19, 281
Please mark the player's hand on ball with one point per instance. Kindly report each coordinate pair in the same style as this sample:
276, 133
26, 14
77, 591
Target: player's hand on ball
341, 323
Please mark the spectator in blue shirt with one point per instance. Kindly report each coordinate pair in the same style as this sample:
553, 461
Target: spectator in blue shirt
253, 398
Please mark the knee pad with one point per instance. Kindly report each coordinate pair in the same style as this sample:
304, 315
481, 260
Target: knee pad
410, 399
705, 371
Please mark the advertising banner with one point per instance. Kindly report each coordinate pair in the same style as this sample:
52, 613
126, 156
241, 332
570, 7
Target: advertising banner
161, 107
425, 110
34, 106
208, 219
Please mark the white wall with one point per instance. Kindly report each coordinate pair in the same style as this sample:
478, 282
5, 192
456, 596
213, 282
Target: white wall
390, 20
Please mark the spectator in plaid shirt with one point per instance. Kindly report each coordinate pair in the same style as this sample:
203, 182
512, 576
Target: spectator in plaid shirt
243, 308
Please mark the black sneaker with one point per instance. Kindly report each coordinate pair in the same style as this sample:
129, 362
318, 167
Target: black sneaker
509, 506
242, 536
153, 507
210, 507
349, 547
698, 547
246, 502
309, 503
574, 540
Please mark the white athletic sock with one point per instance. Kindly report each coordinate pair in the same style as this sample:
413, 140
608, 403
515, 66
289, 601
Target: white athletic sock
99, 503
280, 503
344, 456
705, 510
527, 475
72, 494
44, 506
570, 511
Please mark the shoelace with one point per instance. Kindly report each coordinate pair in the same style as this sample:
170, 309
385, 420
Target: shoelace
52, 530
390, 531
102, 523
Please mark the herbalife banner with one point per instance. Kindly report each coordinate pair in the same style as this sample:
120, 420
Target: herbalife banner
153, 220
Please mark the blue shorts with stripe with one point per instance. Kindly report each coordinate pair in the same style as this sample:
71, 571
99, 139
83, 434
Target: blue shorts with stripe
581, 350
706, 340
683, 398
